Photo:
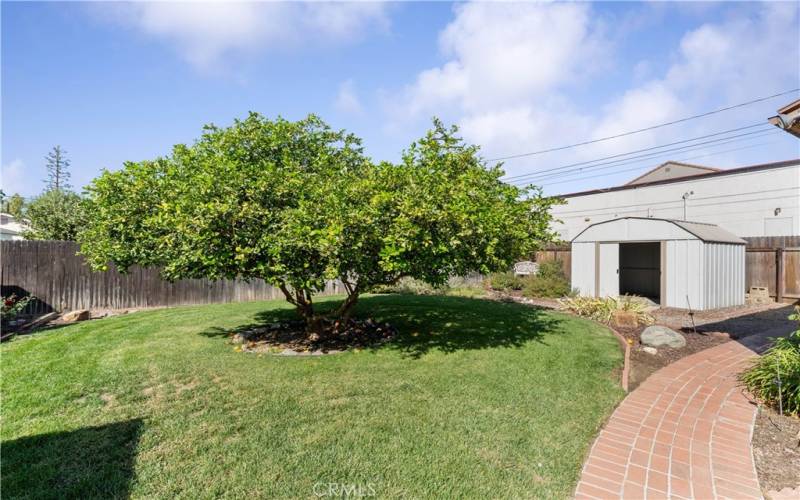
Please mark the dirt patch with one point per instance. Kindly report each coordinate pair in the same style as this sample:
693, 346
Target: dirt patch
738, 321
290, 338
108, 399
776, 449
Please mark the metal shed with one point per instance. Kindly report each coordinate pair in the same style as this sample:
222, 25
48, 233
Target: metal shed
675, 263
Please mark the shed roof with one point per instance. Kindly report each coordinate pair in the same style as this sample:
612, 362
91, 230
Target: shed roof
653, 229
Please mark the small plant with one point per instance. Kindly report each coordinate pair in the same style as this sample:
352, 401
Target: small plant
506, 281
12, 306
549, 282
603, 309
774, 377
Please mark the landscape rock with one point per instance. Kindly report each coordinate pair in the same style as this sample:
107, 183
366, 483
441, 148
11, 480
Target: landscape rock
77, 315
650, 350
657, 336
625, 319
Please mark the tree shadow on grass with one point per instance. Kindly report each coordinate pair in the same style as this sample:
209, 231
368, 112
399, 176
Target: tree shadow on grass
92, 462
436, 323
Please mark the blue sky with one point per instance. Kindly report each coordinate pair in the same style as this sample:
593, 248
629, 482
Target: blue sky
113, 82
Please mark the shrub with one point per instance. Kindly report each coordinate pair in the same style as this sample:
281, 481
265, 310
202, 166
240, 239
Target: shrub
408, 286
781, 362
602, 309
455, 287
551, 269
545, 287
12, 306
505, 281
549, 282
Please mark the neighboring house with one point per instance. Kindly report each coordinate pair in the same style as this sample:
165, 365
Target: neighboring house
788, 118
11, 228
757, 200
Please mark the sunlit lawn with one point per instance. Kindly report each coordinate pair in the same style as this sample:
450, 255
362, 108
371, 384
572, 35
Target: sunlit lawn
476, 398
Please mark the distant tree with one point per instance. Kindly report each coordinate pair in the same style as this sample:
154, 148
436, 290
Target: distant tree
57, 170
13, 205
297, 204
56, 214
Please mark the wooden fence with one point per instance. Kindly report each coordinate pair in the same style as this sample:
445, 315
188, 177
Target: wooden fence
61, 281
774, 262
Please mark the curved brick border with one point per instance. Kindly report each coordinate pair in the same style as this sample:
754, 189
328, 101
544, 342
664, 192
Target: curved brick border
684, 433
626, 366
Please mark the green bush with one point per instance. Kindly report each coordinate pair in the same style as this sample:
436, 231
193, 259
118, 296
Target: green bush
551, 269
779, 362
546, 287
505, 281
459, 287
409, 286
549, 282
12, 306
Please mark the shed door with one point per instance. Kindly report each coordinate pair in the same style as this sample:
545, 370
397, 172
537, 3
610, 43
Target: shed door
608, 270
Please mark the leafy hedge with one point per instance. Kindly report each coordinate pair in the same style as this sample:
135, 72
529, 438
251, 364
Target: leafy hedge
774, 378
549, 282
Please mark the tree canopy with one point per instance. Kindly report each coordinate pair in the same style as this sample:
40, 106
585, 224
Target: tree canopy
298, 204
56, 214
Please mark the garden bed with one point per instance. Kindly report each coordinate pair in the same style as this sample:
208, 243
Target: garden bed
776, 450
289, 338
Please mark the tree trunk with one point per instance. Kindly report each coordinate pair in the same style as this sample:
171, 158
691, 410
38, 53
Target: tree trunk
315, 323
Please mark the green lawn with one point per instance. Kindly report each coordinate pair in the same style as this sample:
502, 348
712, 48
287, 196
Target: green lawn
476, 398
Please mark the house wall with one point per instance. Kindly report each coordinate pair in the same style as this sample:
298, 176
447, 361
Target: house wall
744, 204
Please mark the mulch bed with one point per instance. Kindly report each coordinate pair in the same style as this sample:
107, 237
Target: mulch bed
289, 338
776, 449
643, 364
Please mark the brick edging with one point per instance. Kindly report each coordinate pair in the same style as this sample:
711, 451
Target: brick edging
626, 367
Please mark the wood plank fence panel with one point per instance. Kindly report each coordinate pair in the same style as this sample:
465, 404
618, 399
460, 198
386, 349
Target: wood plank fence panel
791, 271
562, 254
760, 268
61, 281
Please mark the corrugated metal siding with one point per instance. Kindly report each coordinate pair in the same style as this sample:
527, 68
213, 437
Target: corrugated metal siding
724, 275
583, 268
684, 274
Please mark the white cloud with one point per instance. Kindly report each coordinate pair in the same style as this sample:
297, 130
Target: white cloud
512, 71
717, 65
502, 53
15, 179
347, 100
207, 33
508, 65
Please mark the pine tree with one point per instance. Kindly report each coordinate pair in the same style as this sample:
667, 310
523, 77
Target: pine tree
57, 170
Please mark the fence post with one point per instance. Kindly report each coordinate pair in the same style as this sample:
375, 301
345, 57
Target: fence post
779, 275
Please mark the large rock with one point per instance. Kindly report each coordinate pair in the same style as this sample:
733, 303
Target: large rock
658, 335
78, 315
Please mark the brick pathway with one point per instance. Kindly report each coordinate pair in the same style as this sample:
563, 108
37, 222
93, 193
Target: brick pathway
683, 433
